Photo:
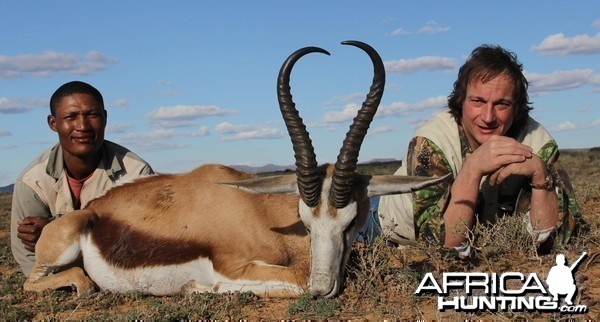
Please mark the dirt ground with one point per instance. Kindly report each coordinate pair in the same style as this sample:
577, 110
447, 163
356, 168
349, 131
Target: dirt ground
381, 280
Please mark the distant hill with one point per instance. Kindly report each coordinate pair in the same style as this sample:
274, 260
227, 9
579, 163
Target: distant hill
264, 168
8, 188
375, 166
273, 168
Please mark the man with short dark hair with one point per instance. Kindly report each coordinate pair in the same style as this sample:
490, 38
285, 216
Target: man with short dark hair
67, 176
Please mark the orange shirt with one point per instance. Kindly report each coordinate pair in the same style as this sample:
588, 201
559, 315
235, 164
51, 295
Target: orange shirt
75, 187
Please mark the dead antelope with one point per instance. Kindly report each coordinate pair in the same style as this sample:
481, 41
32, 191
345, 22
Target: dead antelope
194, 232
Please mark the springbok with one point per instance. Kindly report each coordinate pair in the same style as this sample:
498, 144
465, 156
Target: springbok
194, 232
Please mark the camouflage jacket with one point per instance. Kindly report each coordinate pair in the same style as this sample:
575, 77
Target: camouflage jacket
425, 158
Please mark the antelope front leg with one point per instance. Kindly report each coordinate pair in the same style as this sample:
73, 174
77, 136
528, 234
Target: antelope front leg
73, 277
58, 247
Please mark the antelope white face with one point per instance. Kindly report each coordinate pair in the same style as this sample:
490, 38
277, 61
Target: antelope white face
329, 213
332, 232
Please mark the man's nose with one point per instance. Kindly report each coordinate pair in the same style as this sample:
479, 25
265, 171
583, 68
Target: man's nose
82, 123
489, 113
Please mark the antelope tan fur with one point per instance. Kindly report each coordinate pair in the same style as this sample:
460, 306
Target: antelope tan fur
216, 229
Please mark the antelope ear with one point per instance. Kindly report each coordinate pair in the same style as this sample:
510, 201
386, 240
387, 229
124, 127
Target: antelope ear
282, 184
393, 184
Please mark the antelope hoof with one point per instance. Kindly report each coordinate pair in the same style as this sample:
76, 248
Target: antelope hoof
193, 287
84, 288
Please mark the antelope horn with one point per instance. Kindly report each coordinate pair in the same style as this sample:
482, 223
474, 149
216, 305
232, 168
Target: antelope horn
306, 160
345, 166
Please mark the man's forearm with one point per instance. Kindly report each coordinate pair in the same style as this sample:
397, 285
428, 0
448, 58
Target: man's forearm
544, 209
459, 217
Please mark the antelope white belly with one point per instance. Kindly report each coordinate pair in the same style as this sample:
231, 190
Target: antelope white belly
156, 280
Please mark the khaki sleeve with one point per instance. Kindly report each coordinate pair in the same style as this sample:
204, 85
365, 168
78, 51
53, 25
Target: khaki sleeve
25, 203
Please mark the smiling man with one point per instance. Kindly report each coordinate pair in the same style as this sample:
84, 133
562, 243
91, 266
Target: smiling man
503, 162
68, 175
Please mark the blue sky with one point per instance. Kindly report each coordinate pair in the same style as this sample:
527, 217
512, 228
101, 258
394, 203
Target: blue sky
192, 82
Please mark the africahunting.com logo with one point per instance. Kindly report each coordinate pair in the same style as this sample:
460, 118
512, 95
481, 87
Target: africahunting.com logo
510, 291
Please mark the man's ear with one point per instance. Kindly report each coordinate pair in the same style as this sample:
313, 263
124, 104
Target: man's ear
52, 122
105, 116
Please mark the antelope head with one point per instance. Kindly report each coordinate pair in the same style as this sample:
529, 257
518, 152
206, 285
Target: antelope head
334, 199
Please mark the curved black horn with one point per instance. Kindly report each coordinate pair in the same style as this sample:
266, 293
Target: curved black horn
345, 166
306, 160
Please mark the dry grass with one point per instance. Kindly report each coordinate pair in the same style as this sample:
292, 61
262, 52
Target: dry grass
380, 284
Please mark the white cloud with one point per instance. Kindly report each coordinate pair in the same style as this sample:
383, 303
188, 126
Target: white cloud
118, 128
174, 123
20, 105
50, 63
5, 133
166, 85
146, 145
539, 84
162, 134
381, 129
153, 140
407, 66
348, 113
119, 103
234, 132
402, 108
596, 23
565, 126
186, 112
561, 45
227, 128
432, 27
596, 122
201, 132
346, 98
11, 106
398, 32
263, 133
152, 135
595, 80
